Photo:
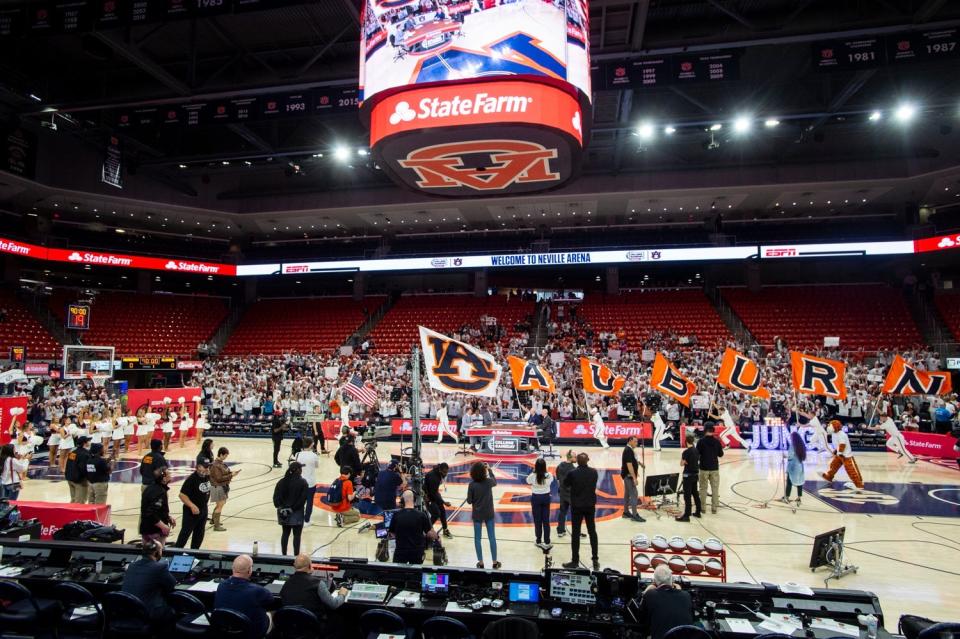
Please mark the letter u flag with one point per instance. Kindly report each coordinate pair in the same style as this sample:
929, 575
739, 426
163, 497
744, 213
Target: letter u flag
668, 380
529, 375
599, 379
740, 373
904, 379
455, 367
818, 375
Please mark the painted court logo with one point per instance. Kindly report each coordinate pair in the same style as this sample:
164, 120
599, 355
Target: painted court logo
494, 165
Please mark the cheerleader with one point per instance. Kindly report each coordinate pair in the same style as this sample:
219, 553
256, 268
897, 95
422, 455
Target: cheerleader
67, 433
117, 434
186, 423
129, 430
27, 440
145, 430
201, 424
599, 428
168, 428
15, 414
53, 442
96, 434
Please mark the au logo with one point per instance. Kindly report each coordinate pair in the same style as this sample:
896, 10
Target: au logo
504, 163
460, 369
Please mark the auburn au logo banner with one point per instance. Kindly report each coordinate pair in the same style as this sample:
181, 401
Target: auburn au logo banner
455, 367
740, 373
529, 375
668, 380
818, 375
904, 379
599, 379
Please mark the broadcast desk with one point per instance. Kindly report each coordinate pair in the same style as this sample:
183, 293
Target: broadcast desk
612, 612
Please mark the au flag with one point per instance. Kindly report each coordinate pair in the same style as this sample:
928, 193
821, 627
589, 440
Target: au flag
599, 379
529, 375
740, 373
818, 375
455, 367
904, 379
668, 380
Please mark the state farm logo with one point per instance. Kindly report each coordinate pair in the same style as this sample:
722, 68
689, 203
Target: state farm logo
296, 268
636, 256
581, 429
99, 258
191, 267
481, 103
75, 257
780, 252
170, 266
13, 247
948, 242
511, 162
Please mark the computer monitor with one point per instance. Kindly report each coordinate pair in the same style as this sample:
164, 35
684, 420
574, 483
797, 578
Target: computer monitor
524, 592
434, 584
380, 530
181, 564
572, 588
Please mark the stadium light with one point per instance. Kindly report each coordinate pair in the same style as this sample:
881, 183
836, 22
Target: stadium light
875, 116
341, 153
362, 152
716, 127
645, 131
905, 112
669, 129
742, 124
771, 122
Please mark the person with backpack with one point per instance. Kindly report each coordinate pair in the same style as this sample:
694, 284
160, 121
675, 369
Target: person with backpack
289, 498
340, 498
75, 471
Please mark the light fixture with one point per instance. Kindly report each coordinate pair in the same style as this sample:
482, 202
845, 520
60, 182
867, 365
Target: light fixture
716, 127
121, 231
875, 116
771, 122
905, 112
669, 129
341, 153
183, 166
362, 152
225, 163
248, 162
742, 124
645, 131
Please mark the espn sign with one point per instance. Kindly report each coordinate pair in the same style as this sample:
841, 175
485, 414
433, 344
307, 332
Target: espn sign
289, 269
785, 251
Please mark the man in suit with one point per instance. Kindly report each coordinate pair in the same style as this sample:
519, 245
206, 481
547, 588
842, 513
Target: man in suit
582, 481
312, 592
664, 606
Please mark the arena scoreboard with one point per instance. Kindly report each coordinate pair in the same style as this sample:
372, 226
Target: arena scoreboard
78, 317
149, 363
18, 354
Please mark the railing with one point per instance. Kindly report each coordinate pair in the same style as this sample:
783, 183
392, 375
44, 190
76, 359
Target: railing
736, 325
222, 334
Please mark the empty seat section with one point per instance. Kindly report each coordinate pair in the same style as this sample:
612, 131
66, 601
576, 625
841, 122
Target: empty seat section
276, 326
397, 331
867, 316
157, 324
637, 315
19, 327
948, 303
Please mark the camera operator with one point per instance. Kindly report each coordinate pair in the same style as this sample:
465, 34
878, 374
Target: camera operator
348, 455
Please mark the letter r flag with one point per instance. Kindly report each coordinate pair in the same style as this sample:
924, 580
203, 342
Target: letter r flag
818, 375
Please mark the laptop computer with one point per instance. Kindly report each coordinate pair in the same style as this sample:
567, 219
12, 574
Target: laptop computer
524, 598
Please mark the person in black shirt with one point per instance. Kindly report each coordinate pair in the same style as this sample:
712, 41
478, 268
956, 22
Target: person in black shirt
710, 450
435, 503
194, 493
385, 490
75, 471
152, 463
155, 520
664, 606
690, 462
149, 580
98, 474
628, 471
312, 592
289, 498
563, 491
582, 482
348, 455
412, 529
277, 426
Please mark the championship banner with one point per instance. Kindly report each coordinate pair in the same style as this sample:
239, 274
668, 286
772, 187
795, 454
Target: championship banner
455, 367
668, 380
529, 375
599, 379
818, 375
904, 379
740, 373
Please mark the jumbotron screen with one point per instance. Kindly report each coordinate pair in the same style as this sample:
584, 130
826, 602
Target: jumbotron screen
409, 42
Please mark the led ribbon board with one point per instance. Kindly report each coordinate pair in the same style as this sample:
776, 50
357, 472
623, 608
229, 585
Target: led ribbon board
478, 97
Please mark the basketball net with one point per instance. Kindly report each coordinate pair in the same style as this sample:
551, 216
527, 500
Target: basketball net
98, 380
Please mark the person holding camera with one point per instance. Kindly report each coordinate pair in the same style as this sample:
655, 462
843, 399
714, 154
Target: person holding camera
289, 498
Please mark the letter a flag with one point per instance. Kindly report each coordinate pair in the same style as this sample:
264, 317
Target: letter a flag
599, 379
668, 380
455, 367
740, 373
904, 379
529, 375
818, 375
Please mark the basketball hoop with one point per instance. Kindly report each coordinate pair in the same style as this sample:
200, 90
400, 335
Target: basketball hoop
98, 380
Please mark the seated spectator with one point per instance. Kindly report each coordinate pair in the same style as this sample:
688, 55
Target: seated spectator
149, 580
664, 606
312, 591
238, 594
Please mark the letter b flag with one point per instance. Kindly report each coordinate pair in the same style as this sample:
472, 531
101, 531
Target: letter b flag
818, 375
529, 375
668, 380
740, 373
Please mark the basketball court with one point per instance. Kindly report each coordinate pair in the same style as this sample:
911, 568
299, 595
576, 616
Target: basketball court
900, 532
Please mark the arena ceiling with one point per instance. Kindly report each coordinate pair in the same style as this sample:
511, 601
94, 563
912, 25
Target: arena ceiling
268, 181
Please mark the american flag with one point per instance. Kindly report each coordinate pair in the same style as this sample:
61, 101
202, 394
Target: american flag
356, 389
